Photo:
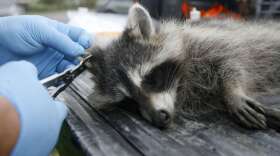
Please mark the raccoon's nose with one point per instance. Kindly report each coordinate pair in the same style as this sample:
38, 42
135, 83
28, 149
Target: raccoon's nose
164, 116
163, 119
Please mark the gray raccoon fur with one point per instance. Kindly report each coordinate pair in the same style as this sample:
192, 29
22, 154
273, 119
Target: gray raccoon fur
215, 64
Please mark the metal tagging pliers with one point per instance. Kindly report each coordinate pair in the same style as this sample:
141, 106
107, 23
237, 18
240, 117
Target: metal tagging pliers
59, 82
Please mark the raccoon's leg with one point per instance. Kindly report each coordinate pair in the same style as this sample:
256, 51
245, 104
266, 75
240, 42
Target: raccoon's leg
245, 109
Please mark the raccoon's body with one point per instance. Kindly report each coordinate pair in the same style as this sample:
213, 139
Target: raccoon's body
207, 64
219, 52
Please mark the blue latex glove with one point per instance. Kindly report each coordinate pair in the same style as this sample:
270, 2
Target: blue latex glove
50, 45
40, 116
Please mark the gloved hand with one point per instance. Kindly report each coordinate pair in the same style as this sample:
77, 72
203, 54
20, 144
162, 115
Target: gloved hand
40, 116
50, 45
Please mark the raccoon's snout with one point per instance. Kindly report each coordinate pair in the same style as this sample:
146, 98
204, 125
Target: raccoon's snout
162, 119
164, 116
159, 109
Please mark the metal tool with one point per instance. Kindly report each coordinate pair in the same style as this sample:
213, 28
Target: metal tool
59, 82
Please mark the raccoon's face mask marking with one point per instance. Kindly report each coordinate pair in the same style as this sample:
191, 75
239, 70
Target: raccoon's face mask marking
160, 86
155, 92
130, 67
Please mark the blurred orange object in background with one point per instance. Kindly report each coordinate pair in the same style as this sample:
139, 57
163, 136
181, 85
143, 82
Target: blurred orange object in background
216, 11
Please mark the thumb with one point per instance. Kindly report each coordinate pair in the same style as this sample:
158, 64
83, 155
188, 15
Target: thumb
62, 110
62, 43
23, 67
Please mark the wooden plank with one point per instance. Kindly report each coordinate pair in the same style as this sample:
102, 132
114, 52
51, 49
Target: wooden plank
93, 133
233, 140
153, 141
211, 134
148, 139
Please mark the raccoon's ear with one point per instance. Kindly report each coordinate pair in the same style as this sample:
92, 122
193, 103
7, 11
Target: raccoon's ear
139, 22
96, 63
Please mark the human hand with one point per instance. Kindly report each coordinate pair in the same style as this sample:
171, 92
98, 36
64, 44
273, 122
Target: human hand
50, 45
40, 116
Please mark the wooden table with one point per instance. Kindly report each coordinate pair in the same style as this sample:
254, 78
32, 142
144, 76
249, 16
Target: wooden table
122, 131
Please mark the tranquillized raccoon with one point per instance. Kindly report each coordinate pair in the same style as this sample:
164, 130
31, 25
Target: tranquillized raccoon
207, 64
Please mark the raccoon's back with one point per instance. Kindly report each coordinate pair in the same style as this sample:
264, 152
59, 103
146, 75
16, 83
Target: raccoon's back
252, 47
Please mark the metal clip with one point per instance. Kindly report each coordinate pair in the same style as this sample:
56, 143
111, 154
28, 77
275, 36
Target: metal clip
59, 82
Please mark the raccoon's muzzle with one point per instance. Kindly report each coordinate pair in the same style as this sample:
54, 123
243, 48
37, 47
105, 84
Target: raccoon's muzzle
162, 119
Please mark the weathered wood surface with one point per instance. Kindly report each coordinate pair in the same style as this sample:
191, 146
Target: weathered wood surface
121, 131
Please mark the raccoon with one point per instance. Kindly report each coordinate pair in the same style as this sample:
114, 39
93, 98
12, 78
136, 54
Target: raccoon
215, 64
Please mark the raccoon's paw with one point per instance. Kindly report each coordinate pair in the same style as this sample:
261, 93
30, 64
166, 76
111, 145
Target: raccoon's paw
248, 112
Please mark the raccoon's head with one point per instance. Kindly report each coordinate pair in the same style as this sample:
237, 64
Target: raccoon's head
141, 64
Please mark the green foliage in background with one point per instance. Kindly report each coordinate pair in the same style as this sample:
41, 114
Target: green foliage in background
54, 5
88, 3
50, 1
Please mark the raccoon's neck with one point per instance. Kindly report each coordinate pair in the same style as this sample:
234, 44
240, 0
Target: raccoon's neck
181, 42
172, 41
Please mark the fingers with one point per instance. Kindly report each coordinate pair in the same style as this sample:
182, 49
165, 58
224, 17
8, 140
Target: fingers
46, 62
253, 117
256, 115
77, 34
50, 62
81, 36
250, 113
255, 105
242, 119
62, 43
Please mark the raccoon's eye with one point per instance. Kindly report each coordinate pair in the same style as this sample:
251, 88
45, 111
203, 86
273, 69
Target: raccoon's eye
161, 77
154, 81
